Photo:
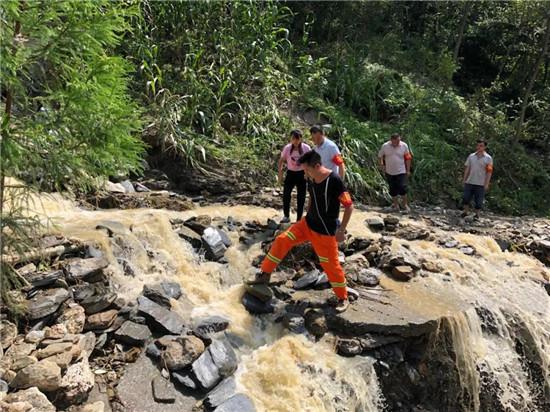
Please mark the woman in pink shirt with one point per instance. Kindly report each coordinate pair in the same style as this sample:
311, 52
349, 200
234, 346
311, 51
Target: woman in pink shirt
294, 174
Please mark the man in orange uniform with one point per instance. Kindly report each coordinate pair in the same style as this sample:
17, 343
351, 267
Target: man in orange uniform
320, 226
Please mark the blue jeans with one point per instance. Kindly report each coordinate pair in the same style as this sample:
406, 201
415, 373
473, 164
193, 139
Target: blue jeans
477, 192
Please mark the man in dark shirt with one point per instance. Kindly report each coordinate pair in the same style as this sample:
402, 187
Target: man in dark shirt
320, 226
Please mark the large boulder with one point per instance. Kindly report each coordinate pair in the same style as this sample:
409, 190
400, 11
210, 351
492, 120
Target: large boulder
133, 333
217, 362
182, 351
159, 317
214, 244
46, 302
90, 270
45, 375
162, 292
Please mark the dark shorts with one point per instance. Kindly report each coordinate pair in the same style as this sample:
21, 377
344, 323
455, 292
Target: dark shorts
397, 184
476, 192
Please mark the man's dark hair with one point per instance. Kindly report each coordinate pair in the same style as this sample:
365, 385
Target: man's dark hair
482, 141
395, 136
311, 158
315, 129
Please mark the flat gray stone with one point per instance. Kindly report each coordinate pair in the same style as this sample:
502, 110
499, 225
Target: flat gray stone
307, 280
133, 333
163, 390
135, 392
262, 292
46, 302
225, 390
86, 269
239, 402
98, 302
205, 371
159, 317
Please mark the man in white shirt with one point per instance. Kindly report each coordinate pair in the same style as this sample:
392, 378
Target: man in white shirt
395, 160
477, 176
331, 157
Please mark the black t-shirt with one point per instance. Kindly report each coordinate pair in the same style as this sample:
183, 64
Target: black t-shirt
322, 217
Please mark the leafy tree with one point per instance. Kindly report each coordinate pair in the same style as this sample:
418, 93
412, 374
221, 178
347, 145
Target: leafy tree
66, 114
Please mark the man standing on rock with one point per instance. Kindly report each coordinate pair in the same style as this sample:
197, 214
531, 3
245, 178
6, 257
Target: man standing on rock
395, 160
320, 226
477, 176
331, 158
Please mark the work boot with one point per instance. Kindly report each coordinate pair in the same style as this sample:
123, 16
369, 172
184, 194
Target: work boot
285, 220
342, 305
260, 278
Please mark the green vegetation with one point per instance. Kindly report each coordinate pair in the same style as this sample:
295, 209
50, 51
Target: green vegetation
67, 117
88, 85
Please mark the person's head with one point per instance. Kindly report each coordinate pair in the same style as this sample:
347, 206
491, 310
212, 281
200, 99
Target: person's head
316, 134
296, 138
481, 146
395, 139
311, 162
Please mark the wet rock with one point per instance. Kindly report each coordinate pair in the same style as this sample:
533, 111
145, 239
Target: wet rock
255, 306
239, 402
38, 401
211, 325
307, 280
8, 332
46, 302
402, 273
45, 375
294, 323
217, 362
451, 244
316, 323
162, 292
191, 236
224, 357
369, 277
90, 270
262, 292
133, 333
53, 349
98, 303
163, 390
213, 243
141, 188
160, 317
112, 227
182, 352
225, 390
206, 371
73, 318
199, 223
375, 222
432, 266
373, 341
101, 320
467, 250
391, 220
348, 347
77, 382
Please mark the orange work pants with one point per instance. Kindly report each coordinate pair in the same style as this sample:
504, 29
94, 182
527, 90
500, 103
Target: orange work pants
325, 246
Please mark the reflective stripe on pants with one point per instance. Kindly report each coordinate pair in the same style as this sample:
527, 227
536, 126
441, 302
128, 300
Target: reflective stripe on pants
326, 248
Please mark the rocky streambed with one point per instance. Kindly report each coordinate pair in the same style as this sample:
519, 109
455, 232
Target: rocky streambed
145, 310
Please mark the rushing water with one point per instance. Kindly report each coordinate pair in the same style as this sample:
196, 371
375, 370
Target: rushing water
285, 372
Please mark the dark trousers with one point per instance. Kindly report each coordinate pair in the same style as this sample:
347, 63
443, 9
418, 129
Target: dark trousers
477, 192
397, 184
293, 179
